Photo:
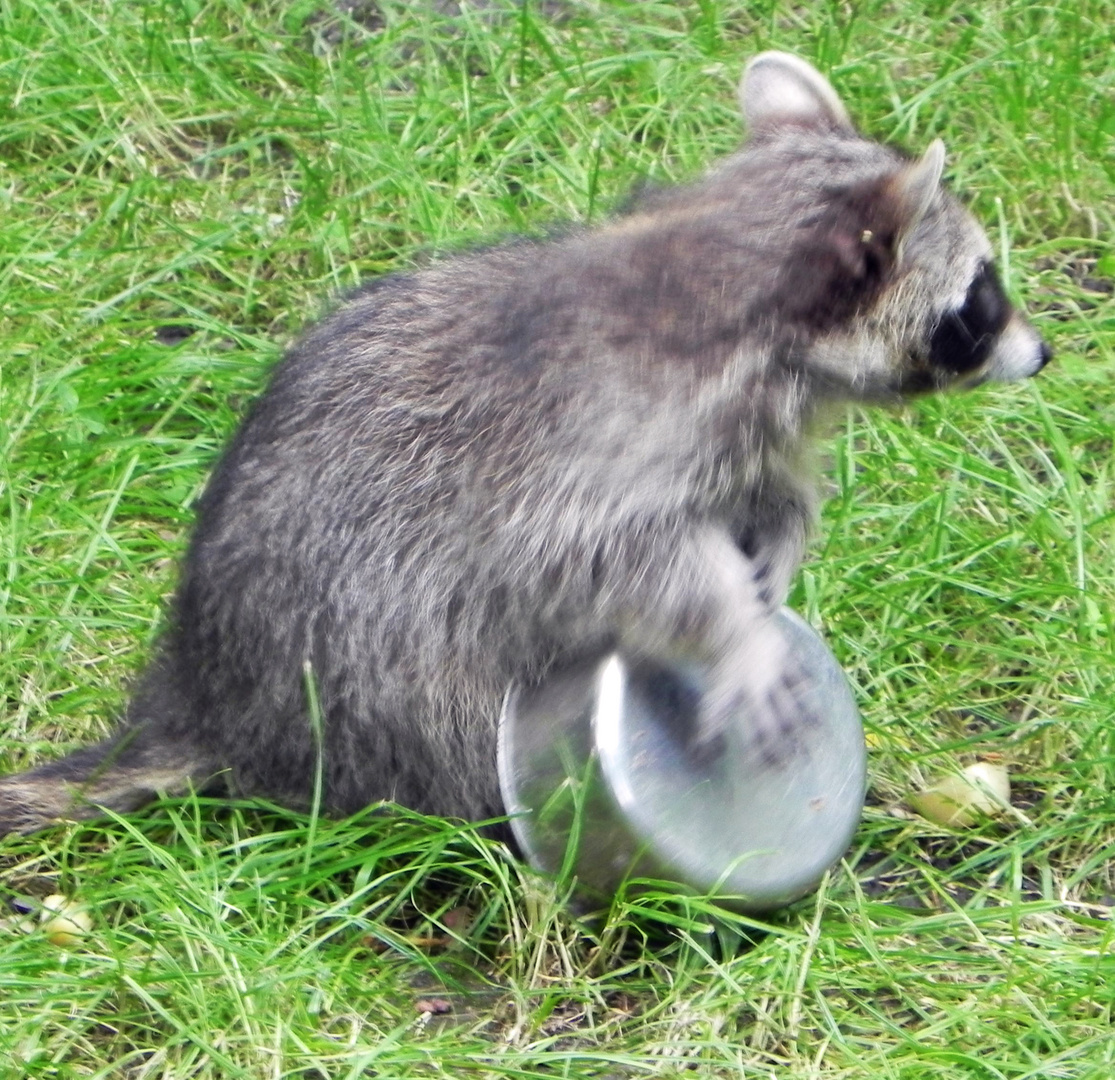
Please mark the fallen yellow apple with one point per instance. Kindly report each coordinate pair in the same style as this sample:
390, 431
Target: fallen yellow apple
960, 799
64, 921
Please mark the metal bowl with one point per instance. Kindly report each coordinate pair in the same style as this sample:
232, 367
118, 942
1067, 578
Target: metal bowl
596, 769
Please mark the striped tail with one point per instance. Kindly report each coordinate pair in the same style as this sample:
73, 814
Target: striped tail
121, 774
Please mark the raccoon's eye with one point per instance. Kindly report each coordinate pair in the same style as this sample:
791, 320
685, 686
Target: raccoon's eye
963, 338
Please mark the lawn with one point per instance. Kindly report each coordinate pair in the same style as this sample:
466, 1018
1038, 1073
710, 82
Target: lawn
185, 184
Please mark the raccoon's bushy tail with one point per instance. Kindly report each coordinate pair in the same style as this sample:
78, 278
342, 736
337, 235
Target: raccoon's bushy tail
121, 774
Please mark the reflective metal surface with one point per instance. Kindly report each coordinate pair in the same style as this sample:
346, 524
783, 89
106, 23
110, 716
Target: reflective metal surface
597, 767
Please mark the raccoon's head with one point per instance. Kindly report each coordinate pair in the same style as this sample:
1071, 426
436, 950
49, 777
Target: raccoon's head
891, 276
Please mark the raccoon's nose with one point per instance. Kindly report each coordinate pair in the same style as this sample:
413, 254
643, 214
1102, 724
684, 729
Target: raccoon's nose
1046, 354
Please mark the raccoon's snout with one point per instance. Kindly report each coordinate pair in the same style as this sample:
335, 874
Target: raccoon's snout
1019, 352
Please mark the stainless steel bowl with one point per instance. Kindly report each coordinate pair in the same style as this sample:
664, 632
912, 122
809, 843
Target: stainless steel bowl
596, 769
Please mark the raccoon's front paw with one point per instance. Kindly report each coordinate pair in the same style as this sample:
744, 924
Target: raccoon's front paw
762, 688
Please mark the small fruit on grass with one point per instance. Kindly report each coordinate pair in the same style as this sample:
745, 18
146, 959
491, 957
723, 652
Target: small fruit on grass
960, 799
64, 921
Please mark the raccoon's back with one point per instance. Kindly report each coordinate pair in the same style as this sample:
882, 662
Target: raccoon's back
456, 424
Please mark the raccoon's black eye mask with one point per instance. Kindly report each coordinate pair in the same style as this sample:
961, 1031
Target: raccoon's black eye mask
964, 338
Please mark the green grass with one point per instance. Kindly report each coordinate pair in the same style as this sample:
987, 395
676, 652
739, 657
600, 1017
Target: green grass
184, 184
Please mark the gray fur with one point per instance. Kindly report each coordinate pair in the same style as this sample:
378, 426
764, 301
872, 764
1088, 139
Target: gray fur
475, 472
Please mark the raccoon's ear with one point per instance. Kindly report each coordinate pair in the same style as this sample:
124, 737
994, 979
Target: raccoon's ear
915, 187
849, 252
778, 88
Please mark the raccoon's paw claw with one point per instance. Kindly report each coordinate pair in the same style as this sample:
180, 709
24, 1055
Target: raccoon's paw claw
773, 571
775, 709
703, 750
763, 577
779, 733
765, 590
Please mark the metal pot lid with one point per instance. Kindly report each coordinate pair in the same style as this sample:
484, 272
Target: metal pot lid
596, 769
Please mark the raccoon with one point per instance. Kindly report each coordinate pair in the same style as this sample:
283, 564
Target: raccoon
472, 473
